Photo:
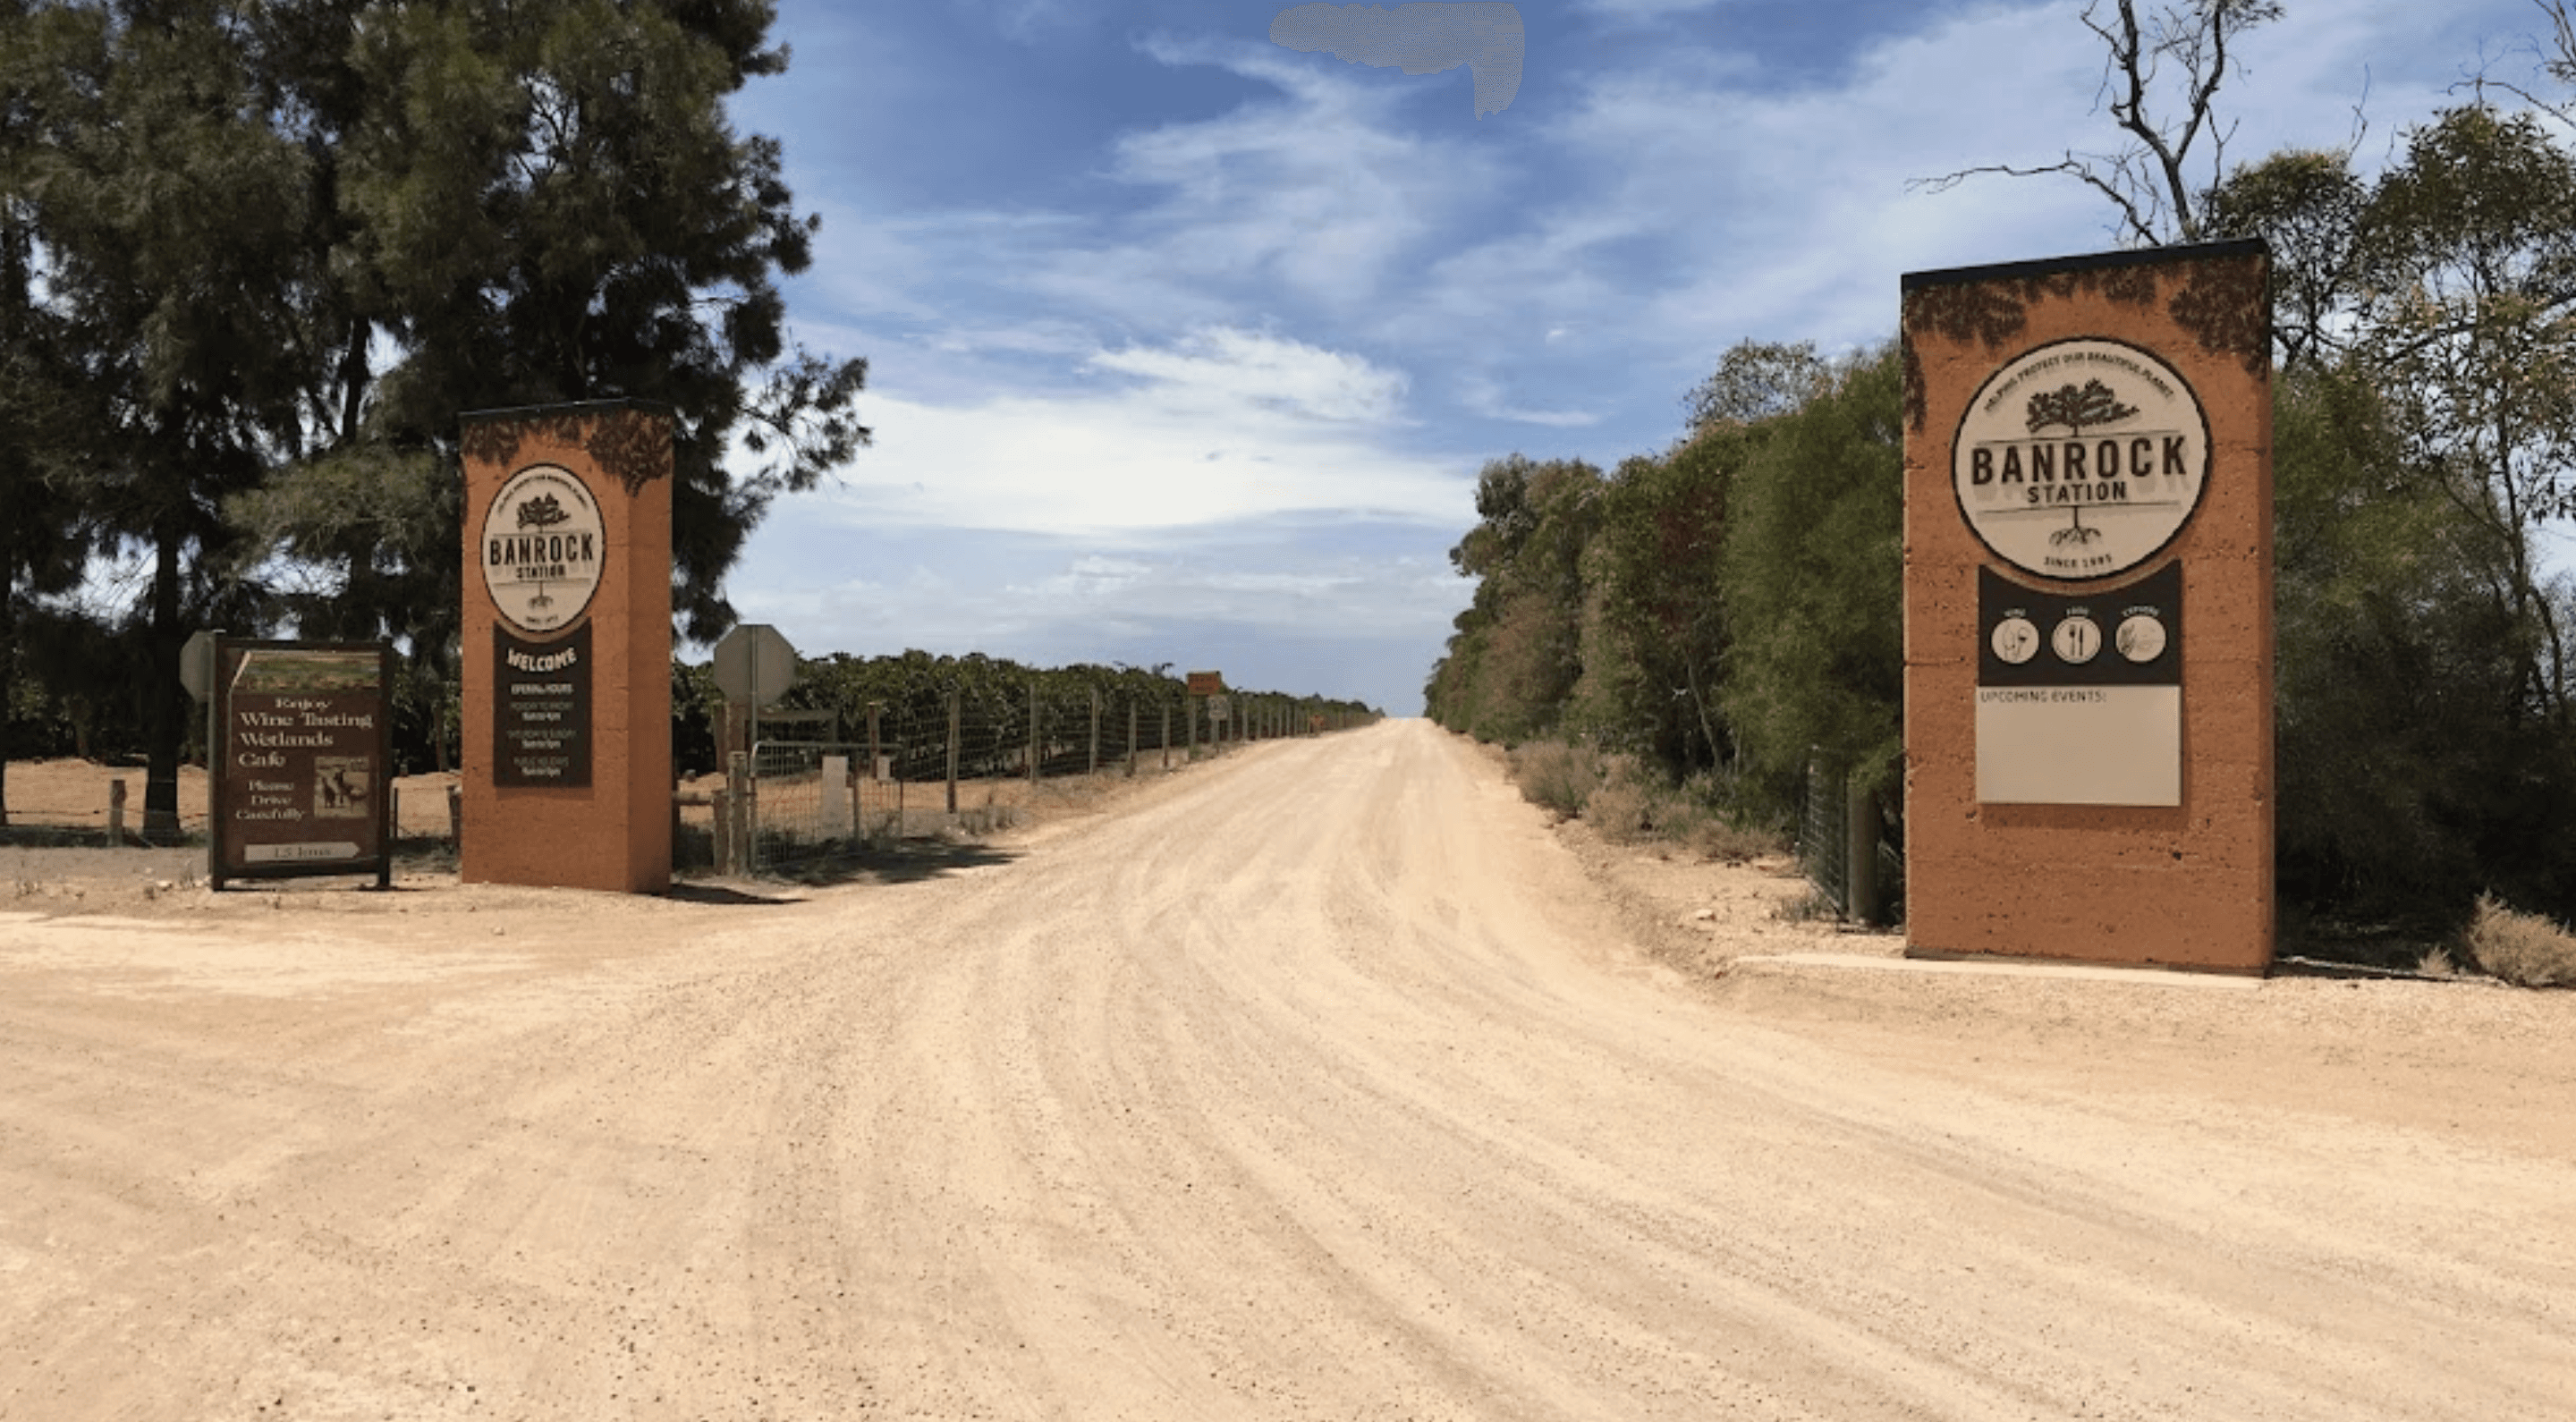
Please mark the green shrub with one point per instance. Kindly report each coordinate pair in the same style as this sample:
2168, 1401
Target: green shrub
2520, 948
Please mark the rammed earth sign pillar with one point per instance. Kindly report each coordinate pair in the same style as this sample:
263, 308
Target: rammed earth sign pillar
567, 641
2088, 608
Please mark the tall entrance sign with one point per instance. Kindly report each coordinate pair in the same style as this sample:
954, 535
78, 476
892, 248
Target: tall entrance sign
2088, 609
567, 641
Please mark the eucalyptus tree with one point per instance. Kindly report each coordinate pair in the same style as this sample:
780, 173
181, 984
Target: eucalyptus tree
2163, 65
1812, 581
2469, 328
165, 216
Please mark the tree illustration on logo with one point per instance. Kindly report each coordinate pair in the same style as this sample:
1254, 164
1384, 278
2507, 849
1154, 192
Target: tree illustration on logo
543, 511
2077, 410
2094, 405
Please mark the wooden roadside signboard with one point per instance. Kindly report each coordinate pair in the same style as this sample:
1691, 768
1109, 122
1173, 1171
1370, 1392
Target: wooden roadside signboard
303, 768
1206, 683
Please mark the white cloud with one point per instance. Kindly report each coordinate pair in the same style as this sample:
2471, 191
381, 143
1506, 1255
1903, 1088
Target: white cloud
1485, 397
1323, 189
1648, 9
1225, 425
1223, 369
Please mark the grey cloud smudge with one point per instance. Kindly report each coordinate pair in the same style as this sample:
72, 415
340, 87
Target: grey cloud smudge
1423, 38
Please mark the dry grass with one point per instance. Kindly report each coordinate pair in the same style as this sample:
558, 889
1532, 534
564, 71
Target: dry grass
977, 821
1555, 776
2520, 948
1627, 804
1624, 808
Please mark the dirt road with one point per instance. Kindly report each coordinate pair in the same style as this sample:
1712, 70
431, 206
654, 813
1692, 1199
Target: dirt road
1319, 1083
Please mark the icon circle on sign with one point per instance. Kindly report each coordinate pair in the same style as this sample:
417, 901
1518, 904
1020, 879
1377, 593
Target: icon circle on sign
2141, 638
2015, 640
2076, 640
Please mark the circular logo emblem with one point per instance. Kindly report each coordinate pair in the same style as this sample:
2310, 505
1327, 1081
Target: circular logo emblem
2081, 459
543, 549
2016, 640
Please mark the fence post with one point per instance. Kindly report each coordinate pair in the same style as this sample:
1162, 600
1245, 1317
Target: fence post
456, 815
1131, 738
953, 698
116, 813
1860, 854
1094, 769
740, 821
1033, 731
875, 756
1190, 721
1167, 733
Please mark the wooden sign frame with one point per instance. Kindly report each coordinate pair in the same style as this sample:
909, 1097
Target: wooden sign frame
284, 754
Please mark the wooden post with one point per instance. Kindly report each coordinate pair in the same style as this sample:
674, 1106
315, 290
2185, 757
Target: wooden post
1190, 718
1033, 731
720, 832
1860, 851
873, 753
1167, 734
953, 699
116, 813
456, 814
1131, 738
1095, 733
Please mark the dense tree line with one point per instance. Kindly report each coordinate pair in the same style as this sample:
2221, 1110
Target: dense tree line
255, 259
1725, 605
1717, 609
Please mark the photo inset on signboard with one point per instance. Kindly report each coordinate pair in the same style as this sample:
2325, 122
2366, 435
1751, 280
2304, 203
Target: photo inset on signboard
287, 673
341, 788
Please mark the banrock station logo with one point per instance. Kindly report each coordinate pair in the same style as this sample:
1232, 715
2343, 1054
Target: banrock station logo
543, 549
2081, 459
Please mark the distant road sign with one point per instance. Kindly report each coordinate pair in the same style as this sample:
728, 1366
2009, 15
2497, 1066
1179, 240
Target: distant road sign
754, 663
1206, 683
197, 664
1217, 708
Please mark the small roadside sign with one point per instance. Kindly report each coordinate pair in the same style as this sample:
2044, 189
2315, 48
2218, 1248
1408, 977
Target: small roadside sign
754, 663
1206, 683
1217, 708
197, 665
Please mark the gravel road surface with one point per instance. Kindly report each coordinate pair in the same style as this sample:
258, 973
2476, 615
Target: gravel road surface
1322, 1082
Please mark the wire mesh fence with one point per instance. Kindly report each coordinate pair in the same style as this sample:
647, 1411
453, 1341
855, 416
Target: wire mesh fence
1824, 833
1843, 844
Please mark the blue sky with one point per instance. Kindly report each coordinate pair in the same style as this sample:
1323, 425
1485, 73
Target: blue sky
1187, 347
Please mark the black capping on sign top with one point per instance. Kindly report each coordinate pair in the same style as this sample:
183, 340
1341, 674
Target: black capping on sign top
521, 412
2088, 262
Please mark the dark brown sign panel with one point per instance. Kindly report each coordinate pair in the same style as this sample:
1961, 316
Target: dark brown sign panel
302, 778
541, 719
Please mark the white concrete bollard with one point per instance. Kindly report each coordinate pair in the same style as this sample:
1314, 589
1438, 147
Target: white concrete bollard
838, 821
